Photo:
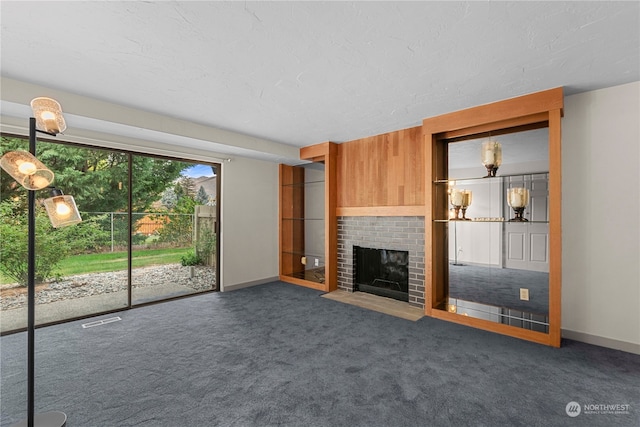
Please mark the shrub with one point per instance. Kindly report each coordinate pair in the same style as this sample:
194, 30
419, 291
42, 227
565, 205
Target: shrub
87, 236
52, 246
190, 259
178, 229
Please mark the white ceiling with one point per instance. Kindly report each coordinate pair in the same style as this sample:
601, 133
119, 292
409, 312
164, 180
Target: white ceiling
301, 73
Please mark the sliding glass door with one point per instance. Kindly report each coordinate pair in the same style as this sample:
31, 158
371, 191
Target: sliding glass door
149, 233
82, 269
173, 229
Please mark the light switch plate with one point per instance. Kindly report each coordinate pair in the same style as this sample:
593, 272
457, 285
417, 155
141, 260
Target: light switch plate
524, 294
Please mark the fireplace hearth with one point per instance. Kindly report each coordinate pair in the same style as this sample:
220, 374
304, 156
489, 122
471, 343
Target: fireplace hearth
383, 272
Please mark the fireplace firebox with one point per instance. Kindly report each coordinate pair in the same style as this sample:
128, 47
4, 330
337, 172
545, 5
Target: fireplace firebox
382, 272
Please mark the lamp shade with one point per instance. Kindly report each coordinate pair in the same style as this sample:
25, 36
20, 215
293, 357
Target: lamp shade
62, 210
48, 114
27, 170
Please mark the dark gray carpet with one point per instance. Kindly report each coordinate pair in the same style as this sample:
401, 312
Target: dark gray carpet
500, 287
279, 355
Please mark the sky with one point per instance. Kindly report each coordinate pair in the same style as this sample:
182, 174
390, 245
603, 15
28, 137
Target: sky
196, 171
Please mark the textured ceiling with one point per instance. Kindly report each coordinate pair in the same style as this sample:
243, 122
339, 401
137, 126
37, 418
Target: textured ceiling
301, 73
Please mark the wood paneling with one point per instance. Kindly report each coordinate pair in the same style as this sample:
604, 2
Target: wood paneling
381, 211
382, 170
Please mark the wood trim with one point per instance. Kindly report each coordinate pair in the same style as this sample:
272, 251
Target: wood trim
487, 325
429, 177
496, 112
330, 218
302, 282
517, 124
381, 211
282, 175
555, 226
315, 153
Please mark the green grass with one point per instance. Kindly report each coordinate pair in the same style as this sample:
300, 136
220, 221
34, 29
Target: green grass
115, 261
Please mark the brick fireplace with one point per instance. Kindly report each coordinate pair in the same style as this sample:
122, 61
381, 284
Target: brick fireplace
391, 233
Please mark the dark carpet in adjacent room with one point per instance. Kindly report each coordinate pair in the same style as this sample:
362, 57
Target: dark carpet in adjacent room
500, 287
278, 355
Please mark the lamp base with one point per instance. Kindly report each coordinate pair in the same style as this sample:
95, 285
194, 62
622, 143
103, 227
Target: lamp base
46, 419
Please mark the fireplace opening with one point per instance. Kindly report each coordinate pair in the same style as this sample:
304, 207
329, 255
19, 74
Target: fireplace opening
382, 272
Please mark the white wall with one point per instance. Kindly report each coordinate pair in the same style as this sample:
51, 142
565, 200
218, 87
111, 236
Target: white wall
601, 217
249, 222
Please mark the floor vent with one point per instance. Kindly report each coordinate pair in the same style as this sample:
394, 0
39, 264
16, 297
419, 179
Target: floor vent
101, 322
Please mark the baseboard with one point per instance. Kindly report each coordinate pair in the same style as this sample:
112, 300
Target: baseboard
629, 347
228, 288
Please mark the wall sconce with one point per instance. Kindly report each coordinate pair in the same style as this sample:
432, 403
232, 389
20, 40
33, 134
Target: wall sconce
29, 172
491, 156
518, 199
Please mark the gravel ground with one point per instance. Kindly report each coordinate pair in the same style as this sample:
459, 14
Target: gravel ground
84, 285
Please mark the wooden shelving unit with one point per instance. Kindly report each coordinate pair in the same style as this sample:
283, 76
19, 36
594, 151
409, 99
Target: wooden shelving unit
534, 111
297, 262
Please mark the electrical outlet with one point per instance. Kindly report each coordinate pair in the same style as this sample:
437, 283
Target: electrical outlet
316, 262
524, 294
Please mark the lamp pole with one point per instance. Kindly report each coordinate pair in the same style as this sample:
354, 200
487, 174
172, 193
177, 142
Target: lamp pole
31, 287
53, 418
29, 172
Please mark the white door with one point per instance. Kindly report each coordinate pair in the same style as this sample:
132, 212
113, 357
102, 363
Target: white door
527, 243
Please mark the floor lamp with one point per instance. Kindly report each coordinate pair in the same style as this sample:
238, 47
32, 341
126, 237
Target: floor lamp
29, 172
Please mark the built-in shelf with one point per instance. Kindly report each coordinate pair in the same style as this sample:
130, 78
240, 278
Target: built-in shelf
526, 113
485, 178
308, 256
304, 184
506, 221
